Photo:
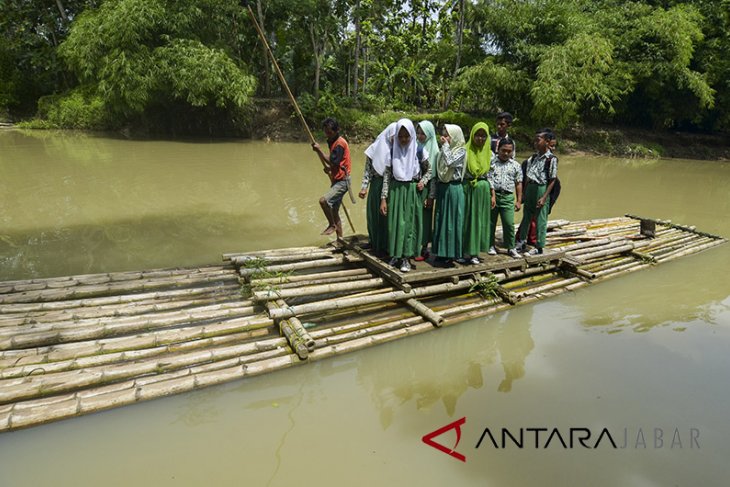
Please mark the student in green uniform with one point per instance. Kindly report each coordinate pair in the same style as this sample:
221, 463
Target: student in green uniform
448, 232
399, 197
377, 156
477, 195
428, 142
505, 179
537, 191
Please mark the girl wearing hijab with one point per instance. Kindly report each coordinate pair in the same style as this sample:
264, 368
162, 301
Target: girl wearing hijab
449, 225
399, 198
377, 157
477, 193
428, 142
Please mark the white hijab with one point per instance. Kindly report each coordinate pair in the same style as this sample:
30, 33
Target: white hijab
381, 150
405, 161
444, 171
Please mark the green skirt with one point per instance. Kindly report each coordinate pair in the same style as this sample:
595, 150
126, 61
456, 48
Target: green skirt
377, 223
477, 216
404, 219
427, 221
448, 232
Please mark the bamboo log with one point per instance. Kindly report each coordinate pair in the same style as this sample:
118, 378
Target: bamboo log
115, 300
29, 318
690, 250
41, 366
697, 240
349, 273
609, 250
427, 313
343, 303
270, 294
65, 351
18, 389
103, 329
299, 339
83, 291
318, 263
264, 253
41, 411
101, 278
128, 324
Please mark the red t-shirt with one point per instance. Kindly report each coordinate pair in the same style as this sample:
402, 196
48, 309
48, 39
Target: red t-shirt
339, 159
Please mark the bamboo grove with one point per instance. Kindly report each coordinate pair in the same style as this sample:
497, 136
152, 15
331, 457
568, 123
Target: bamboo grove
115, 63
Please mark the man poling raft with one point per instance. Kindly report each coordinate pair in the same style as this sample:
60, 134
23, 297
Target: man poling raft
337, 167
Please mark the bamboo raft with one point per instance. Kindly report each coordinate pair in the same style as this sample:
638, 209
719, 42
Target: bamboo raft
76, 345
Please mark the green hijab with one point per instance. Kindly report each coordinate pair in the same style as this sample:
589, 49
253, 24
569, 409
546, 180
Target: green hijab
431, 144
478, 158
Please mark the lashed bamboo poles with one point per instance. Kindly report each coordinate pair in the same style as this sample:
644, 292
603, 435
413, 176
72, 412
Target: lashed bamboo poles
188, 373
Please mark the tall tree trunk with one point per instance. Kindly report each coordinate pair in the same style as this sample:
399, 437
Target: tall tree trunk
318, 52
358, 46
365, 69
459, 41
267, 64
61, 9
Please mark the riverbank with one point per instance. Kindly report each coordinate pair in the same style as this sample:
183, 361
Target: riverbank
275, 120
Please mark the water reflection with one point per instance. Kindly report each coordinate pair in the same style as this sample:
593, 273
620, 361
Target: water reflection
436, 369
660, 297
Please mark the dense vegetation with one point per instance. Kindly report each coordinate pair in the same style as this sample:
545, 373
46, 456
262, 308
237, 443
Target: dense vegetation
194, 65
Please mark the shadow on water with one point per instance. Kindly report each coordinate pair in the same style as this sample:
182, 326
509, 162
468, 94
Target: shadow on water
436, 369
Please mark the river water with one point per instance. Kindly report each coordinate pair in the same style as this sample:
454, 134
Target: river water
643, 357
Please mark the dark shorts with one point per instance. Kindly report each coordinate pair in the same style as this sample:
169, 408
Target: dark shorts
334, 196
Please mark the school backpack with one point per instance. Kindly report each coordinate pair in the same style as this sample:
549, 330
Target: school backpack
555, 192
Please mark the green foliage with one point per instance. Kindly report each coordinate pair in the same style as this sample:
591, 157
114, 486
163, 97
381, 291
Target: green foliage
78, 110
549, 62
140, 55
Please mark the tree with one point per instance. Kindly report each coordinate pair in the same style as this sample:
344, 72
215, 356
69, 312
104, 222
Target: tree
139, 54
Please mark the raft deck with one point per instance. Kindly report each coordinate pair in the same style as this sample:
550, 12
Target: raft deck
76, 345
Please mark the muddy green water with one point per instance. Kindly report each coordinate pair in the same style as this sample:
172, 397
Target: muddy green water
645, 356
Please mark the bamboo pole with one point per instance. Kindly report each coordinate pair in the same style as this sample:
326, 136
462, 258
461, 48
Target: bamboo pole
270, 294
149, 321
145, 340
29, 318
348, 274
40, 366
18, 389
690, 250
116, 300
101, 278
289, 93
335, 261
263, 253
83, 291
343, 303
608, 250
424, 311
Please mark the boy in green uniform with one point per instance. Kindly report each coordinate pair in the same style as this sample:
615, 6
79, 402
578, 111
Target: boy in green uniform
505, 179
538, 185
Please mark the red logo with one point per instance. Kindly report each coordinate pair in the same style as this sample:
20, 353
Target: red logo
428, 439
